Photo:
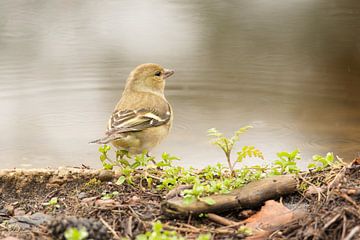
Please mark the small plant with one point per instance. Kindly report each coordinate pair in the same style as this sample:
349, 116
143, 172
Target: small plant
286, 163
53, 202
73, 233
167, 160
321, 162
104, 157
227, 145
245, 230
158, 233
198, 190
93, 182
206, 236
106, 195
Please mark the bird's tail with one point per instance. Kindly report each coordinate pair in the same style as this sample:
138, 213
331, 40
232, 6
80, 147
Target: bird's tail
107, 139
103, 140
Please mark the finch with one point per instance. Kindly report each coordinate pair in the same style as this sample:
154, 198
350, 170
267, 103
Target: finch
143, 117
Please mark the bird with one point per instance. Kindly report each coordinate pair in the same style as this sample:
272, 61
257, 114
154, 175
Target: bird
143, 117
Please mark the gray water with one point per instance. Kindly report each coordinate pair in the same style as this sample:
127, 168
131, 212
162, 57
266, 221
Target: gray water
290, 68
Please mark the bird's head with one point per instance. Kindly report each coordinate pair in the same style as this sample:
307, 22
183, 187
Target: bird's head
148, 77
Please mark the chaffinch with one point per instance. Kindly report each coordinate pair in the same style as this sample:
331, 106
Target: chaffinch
143, 117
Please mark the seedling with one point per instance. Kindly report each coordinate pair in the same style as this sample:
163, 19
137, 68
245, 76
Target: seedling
73, 233
53, 202
227, 145
321, 162
106, 196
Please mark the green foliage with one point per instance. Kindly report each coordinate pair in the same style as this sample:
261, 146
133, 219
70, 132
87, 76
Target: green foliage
198, 190
167, 160
93, 183
53, 202
76, 234
158, 233
249, 151
206, 236
143, 170
245, 230
106, 195
104, 157
120, 180
142, 160
286, 163
321, 162
227, 145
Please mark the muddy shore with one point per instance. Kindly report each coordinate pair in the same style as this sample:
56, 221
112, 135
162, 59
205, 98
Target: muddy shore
26, 210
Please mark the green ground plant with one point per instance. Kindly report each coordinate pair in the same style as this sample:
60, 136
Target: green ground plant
109, 195
73, 233
286, 163
158, 233
53, 203
214, 179
321, 162
227, 144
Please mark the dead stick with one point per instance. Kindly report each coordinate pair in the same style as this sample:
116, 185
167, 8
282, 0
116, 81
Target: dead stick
180, 229
328, 224
221, 220
249, 196
110, 229
352, 233
350, 200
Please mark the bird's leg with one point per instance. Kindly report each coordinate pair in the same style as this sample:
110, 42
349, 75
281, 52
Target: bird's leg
152, 159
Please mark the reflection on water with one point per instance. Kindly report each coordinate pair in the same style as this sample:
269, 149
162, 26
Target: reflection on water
289, 68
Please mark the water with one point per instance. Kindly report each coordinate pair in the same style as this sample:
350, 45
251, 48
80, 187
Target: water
289, 68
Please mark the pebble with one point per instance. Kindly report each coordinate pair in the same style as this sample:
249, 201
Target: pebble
82, 195
106, 175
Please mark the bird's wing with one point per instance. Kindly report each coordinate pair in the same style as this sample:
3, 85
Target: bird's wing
136, 120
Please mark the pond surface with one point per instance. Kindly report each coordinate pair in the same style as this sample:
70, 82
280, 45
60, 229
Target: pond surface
291, 69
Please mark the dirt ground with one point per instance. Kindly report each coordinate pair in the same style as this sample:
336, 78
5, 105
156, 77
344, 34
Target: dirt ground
332, 205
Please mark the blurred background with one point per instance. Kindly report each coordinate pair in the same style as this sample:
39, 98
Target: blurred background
290, 68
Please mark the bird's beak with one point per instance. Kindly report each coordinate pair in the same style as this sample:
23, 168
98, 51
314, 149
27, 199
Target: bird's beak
168, 73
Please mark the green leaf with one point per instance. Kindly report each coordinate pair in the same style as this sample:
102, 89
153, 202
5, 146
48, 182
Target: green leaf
107, 166
204, 237
311, 165
157, 227
103, 157
53, 201
75, 234
189, 199
141, 237
120, 180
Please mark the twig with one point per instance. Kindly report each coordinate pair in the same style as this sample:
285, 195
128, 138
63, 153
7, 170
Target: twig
335, 181
331, 221
221, 220
189, 226
197, 230
233, 225
349, 199
181, 229
128, 228
352, 233
310, 183
116, 236
344, 227
3, 227
136, 215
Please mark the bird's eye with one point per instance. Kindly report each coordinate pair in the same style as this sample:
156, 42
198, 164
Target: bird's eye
158, 73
